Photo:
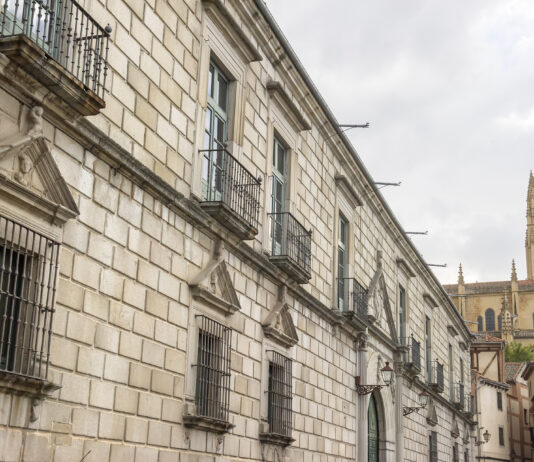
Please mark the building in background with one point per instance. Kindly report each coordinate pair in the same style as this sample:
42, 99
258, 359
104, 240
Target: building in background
503, 309
518, 410
529, 377
195, 263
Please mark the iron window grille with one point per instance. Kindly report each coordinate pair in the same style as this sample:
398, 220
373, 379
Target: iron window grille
65, 32
466, 455
212, 394
455, 456
291, 240
28, 275
412, 356
226, 181
280, 396
354, 297
433, 446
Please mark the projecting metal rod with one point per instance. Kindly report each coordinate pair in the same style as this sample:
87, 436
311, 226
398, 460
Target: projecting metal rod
444, 265
382, 183
365, 125
422, 233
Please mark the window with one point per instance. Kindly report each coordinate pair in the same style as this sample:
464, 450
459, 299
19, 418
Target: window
466, 455
433, 447
428, 350
490, 320
451, 373
455, 457
342, 273
499, 322
525, 417
278, 194
480, 324
213, 370
499, 401
501, 436
402, 313
28, 272
215, 136
279, 406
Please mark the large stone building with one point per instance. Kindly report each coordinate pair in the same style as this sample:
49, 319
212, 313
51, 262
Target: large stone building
502, 308
196, 265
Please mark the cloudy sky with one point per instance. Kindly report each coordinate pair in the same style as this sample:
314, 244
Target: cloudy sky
448, 88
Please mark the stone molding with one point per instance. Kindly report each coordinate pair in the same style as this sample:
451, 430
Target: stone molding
297, 119
278, 324
348, 191
191, 419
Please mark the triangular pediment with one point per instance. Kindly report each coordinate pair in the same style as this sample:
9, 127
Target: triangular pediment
455, 430
432, 416
213, 284
29, 174
278, 324
379, 306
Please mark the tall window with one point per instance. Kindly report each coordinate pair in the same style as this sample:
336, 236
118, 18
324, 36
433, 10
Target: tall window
342, 247
490, 320
278, 195
215, 136
501, 436
451, 373
428, 350
433, 447
480, 324
499, 401
402, 313
499, 322
466, 455
28, 273
455, 457
212, 394
279, 394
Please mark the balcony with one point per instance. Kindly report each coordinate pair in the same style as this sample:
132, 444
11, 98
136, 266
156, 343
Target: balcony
412, 355
436, 376
290, 246
458, 397
61, 46
230, 193
352, 298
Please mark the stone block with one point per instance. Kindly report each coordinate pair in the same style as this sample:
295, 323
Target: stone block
156, 304
92, 215
159, 434
121, 316
126, 400
130, 210
138, 80
130, 345
36, 448
116, 368
172, 411
178, 314
111, 426
160, 256
101, 394
81, 328
136, 430
107, 338
149, 405
166, 333
146, 454
67, 449
125, 262
146, 113
76, 235
116, 229
175, 361
147, 274
96, 305
121, 453
86, 271
74, 389
162, 382
101, 249
63, 353
85, 422
167, 131
139, 242
153, 354
169, 456
134, 294
169, 286
105, 195
96, 451
90, 362
139, 376
144, 325
133, 127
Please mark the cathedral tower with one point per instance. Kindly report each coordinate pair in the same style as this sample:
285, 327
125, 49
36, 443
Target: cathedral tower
529, 241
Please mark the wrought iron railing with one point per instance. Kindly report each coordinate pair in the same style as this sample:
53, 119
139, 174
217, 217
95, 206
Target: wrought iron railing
412, 356
65, 32
28, 273
459, 396
279, 394
436, 376
290, 239
228, 182
352, 297
212, 394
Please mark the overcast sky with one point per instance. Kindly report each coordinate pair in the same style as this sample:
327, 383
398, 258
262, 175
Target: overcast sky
448, 88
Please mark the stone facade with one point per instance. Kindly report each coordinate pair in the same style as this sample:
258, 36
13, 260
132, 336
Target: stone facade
151, 276
504, 309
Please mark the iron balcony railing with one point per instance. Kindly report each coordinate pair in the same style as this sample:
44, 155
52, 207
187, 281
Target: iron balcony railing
352, 297
65, 32
291, 240
412, 356
28, 274
470, 403
228, 182
436, 376
459, 396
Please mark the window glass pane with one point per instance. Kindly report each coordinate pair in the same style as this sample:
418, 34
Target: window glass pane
210, 81
223, 93
281, 159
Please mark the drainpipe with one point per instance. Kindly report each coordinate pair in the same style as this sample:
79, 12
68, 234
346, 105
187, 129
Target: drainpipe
361, 426
399, 418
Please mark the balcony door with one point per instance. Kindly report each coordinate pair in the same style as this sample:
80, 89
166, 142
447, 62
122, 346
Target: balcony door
215, 137
372, 431
278, 197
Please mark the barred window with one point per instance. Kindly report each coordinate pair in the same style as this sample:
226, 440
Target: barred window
433, 447
499, 401
455, 456
501, 436
279, 394
466, 455
212, 395
28, 273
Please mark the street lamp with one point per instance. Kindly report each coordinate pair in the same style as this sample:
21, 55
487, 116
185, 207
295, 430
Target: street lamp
423, 401
486, 435
387, 377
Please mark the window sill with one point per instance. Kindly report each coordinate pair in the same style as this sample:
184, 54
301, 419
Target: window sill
209, 424
277, 439
27, 386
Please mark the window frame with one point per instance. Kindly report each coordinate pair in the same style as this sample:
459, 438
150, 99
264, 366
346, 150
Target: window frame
502, 440
343, 248
433, 452
283, 394
428, 348
499, 401
489, 318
